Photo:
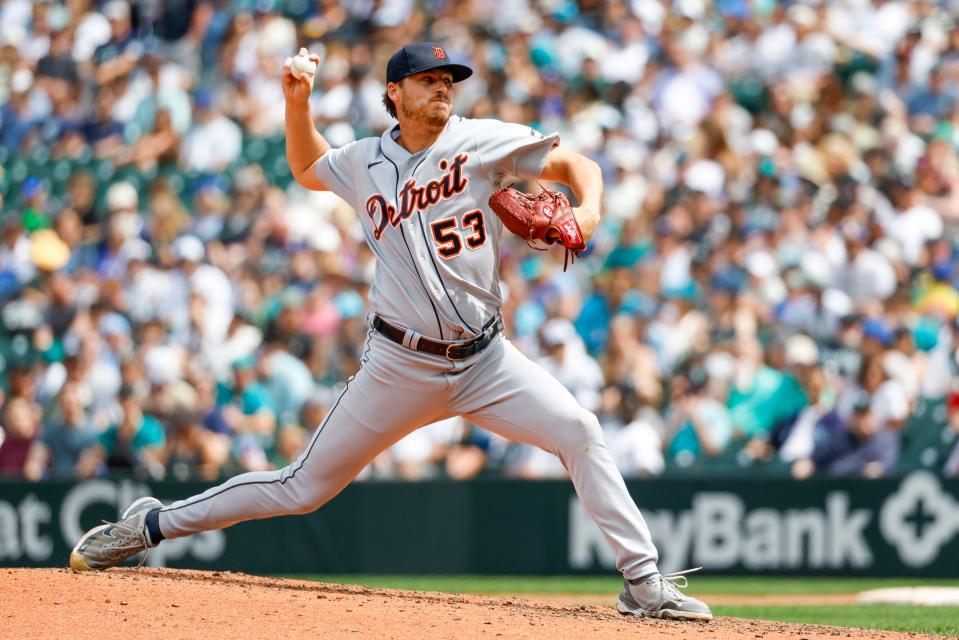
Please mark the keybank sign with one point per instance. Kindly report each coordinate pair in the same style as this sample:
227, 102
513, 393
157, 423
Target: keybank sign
892, 526
758, 531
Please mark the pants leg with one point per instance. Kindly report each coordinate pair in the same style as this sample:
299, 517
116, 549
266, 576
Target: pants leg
509, 394
391, 395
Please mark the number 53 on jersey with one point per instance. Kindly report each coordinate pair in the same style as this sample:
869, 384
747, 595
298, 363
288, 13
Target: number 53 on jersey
452, 234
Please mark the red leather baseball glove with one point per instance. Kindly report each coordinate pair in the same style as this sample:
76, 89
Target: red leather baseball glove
541, 220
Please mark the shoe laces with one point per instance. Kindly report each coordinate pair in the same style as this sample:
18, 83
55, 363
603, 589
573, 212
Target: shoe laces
128, 532
673, 582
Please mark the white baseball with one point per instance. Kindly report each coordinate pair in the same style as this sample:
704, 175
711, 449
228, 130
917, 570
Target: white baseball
302, 65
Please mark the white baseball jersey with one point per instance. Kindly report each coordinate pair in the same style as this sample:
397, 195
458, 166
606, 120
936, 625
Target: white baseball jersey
426, 217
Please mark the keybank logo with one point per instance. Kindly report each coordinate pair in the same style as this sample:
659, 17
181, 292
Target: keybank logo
919, 519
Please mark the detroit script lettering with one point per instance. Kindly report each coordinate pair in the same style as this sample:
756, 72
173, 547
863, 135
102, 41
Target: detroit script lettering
418, 198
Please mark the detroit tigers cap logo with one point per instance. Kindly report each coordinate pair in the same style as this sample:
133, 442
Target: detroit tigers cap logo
422, 56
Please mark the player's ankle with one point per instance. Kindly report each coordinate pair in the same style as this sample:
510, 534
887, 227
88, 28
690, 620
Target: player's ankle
154, 535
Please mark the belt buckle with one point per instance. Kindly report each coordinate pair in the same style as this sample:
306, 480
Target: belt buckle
464, 345
486, 335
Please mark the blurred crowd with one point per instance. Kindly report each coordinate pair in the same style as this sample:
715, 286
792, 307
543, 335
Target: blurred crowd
772, 287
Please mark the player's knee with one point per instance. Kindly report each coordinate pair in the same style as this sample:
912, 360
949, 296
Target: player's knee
307, 502
303, 508
309, 484
592, 432
303, 495
311, 493
582, 434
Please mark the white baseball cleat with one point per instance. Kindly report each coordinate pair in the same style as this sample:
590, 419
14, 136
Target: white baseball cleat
658, 596
109, 544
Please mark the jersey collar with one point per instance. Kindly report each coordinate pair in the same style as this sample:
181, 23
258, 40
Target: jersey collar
399, 155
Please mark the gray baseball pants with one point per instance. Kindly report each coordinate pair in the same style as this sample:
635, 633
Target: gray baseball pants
396, 391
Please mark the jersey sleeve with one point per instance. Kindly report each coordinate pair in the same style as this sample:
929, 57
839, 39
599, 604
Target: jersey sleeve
506, 148
337, 169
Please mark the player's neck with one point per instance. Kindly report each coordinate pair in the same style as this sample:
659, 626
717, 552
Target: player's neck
416, 137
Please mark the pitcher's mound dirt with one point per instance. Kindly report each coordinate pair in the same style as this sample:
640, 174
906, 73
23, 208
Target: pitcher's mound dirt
170, 605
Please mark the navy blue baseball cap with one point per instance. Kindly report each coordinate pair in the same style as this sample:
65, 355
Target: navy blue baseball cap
423, 56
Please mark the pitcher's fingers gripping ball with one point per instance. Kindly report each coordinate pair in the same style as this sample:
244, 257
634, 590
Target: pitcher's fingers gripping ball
304, 65
541, 220
298, 74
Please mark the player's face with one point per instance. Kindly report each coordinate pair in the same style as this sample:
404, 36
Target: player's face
426, 98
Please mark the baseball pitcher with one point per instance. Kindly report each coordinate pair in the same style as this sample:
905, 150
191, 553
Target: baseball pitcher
434, 348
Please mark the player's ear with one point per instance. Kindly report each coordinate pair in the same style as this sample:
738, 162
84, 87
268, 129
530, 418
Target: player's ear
392, 90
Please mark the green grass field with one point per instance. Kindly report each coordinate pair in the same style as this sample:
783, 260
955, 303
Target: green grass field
938, 620
935, 620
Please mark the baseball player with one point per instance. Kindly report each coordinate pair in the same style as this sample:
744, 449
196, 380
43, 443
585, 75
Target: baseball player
434, 347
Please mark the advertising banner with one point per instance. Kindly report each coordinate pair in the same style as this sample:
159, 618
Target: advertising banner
906, 526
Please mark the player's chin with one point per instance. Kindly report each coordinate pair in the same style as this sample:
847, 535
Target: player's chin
438, 116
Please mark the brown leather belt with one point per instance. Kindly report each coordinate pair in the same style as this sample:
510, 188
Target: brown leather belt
448, 350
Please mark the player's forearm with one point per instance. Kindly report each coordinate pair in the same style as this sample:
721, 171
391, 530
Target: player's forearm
304, 144
585, 178
586, 181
